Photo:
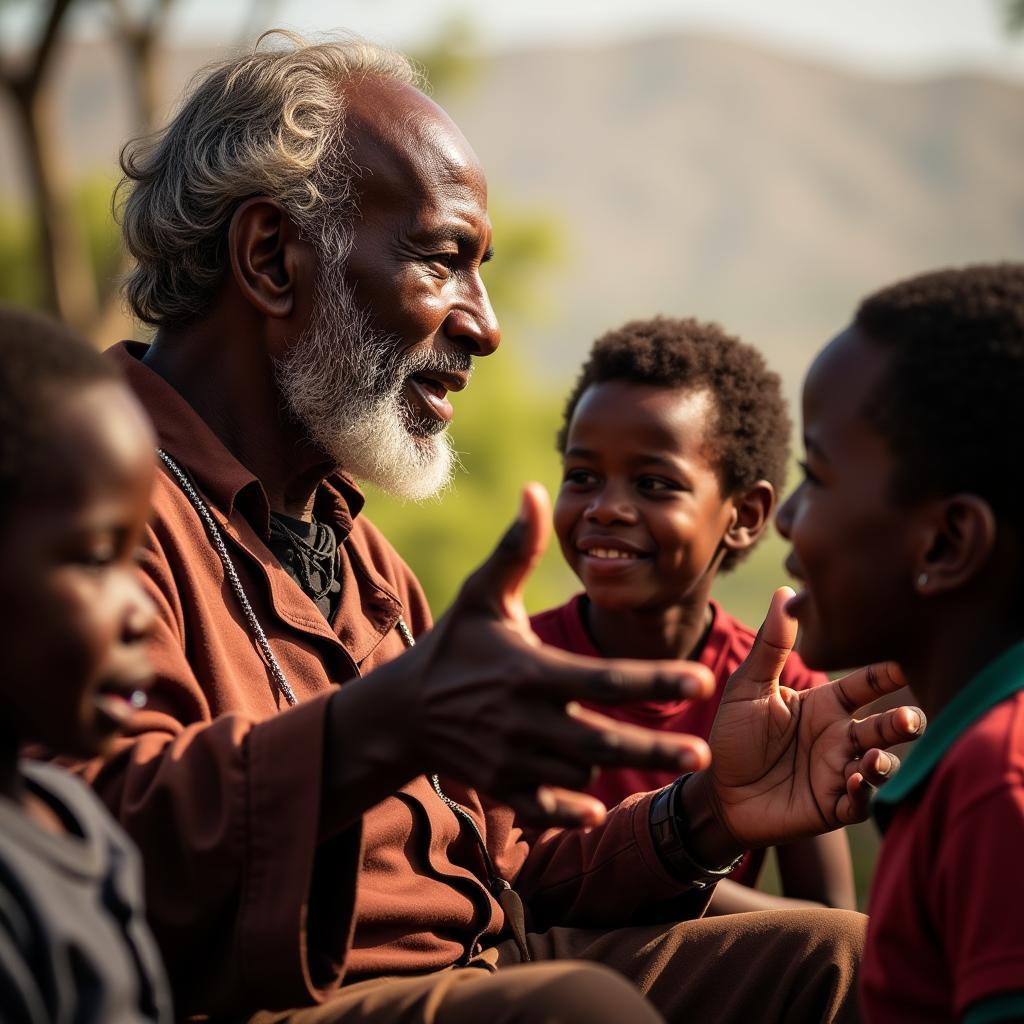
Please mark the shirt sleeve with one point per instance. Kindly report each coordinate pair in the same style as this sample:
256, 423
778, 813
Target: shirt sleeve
979, 890
20, 994
602, 877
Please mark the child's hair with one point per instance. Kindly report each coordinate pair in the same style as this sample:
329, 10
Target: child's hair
950, 406
37, 355
748, 439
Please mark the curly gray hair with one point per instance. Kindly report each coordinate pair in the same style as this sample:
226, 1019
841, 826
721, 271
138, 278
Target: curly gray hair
267, 122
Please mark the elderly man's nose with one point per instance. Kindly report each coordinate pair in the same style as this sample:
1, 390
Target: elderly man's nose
474, 325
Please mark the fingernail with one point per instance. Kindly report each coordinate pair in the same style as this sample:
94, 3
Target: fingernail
689, 761
917, 721
546, 799
691, 686
884, 765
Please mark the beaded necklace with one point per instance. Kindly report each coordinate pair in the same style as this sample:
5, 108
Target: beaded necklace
500, 888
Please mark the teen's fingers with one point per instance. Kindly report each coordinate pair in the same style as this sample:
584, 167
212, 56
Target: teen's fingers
876, 766
887, 728
867, 684
760, 671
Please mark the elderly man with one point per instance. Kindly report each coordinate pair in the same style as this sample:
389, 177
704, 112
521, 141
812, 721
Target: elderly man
331, 797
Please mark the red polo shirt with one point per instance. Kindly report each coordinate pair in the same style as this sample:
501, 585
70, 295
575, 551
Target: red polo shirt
946, 918
728, 643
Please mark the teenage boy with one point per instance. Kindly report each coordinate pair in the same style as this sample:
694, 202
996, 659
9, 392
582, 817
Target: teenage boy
907, 535
674, 445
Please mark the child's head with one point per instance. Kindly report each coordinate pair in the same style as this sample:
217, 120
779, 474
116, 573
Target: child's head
674, 444
76, 467
912, 492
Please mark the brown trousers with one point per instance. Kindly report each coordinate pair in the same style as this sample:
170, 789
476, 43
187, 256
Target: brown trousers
789, 966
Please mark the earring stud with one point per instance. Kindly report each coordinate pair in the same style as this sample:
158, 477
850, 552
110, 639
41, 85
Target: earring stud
922, 580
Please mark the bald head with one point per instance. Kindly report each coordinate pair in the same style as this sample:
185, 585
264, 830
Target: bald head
401, 143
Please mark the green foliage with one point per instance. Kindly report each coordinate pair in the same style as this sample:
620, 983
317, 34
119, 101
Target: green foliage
19, 243
1014, 15
452, 60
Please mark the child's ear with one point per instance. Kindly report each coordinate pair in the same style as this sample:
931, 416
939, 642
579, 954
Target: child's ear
960, 537
752, 511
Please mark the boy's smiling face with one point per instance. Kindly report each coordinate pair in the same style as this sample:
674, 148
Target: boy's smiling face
640, 514
75, 615
853, 544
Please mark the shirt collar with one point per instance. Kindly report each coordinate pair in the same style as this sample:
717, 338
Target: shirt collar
993, 684
187, 438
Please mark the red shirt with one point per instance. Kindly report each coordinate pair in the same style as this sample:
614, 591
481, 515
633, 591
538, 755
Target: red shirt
946, 916
728, 643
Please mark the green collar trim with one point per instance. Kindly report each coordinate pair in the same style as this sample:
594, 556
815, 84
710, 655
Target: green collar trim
993, 684
1007, 1006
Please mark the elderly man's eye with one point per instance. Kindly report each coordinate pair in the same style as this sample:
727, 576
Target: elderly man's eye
443, 261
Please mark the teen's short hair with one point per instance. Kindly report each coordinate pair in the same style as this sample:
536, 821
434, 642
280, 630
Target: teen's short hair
748, 440
950, 403
39, 357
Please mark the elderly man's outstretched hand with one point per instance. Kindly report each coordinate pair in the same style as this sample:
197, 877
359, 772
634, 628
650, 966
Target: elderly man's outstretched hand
790, 763
486, 703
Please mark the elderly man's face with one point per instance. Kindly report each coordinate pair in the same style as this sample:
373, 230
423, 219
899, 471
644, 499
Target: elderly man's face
396, 324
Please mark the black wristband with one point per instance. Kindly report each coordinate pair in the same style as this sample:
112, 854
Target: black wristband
668, 833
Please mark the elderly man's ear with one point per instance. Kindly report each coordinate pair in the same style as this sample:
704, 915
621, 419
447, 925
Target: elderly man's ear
270, 262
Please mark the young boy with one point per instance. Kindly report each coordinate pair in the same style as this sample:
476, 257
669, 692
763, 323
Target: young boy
76, 464
907, 534
674, 445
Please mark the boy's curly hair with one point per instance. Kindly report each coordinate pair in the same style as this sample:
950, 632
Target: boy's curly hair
950, 403
748, 439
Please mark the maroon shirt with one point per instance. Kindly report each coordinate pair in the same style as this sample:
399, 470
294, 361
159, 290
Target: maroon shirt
728, 642
946, 916
219, 781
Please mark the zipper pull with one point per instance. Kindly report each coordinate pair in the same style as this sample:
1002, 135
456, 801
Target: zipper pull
515, 914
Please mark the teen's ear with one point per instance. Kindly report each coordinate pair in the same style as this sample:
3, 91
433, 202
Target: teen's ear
960, 539
752, 511
264, 248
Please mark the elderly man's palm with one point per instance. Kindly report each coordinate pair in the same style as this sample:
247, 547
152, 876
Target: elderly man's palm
789, 763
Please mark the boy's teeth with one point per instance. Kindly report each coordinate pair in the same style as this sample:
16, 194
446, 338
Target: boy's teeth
609, 553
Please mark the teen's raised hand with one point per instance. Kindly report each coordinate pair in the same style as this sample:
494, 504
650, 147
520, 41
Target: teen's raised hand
788, 764
483, 701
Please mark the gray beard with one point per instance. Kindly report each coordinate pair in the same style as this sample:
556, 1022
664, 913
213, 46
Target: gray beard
343, 380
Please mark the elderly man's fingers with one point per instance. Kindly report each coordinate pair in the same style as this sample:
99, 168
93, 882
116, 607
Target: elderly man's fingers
554, 807
760, 671
867, 684
500, 580
567, 771
573, 677
887, 728
604, 742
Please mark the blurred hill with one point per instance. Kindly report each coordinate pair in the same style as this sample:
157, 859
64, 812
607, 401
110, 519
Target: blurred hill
701, 176
694, 175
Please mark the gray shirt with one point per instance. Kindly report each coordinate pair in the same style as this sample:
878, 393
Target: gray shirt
74, 944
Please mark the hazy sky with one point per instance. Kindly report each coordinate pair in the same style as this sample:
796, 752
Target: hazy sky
886, 36
889, 37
